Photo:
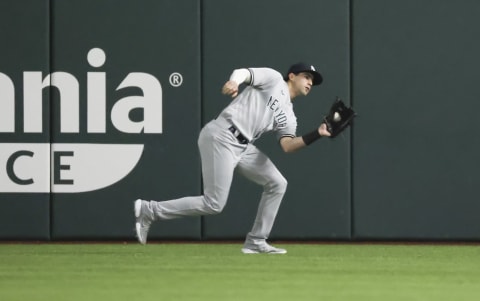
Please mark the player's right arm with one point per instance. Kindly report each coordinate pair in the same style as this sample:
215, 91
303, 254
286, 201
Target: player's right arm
238, 77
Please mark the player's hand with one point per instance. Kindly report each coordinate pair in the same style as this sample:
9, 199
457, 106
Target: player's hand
230, 88
322, 130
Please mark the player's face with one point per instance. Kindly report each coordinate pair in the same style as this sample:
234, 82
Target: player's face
303, 83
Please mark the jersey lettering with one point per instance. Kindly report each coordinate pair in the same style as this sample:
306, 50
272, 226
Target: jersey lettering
279, 115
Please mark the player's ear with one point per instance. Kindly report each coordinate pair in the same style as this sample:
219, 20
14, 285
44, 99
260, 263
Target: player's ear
291, 76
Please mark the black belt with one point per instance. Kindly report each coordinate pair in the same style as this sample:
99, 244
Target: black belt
241, 139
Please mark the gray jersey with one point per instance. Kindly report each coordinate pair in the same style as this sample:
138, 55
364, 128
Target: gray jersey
263, 106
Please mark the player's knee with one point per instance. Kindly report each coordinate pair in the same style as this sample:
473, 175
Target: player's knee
213, 206
282, 185
279, 184
214, 209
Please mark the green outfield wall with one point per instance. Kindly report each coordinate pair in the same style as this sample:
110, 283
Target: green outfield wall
101, 103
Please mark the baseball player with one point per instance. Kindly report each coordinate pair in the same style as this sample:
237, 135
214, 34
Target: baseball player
227, 144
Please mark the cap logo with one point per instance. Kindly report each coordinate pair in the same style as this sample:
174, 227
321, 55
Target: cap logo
312, 68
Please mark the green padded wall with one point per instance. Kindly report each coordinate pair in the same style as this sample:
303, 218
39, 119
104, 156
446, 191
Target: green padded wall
416, 146
277, 34
102, 102
145, 37
24, 28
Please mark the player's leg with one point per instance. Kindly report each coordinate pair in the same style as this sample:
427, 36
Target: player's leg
219, 155
257, 167
218, 164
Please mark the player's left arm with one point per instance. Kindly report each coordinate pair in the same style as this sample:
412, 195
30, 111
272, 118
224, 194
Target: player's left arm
292, 144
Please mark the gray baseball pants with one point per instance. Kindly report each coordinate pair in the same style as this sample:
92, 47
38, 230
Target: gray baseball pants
221, 154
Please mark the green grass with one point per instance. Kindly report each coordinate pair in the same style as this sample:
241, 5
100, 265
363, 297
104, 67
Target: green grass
220, 272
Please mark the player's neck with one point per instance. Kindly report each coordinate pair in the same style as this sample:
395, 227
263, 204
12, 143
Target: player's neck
291, 91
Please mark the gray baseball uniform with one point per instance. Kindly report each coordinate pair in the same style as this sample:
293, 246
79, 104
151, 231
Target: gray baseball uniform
225, 145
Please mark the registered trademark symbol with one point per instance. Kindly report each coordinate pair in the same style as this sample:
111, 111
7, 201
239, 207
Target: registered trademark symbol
176, 79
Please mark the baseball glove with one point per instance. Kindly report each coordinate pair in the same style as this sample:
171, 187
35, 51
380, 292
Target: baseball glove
339, 118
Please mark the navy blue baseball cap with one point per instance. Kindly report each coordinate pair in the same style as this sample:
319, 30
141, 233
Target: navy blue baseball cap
302, 67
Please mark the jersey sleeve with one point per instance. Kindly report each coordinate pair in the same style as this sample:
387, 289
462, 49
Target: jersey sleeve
288, 128
263, 78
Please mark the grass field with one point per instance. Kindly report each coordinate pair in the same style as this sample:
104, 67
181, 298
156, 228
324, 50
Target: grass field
220, 272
